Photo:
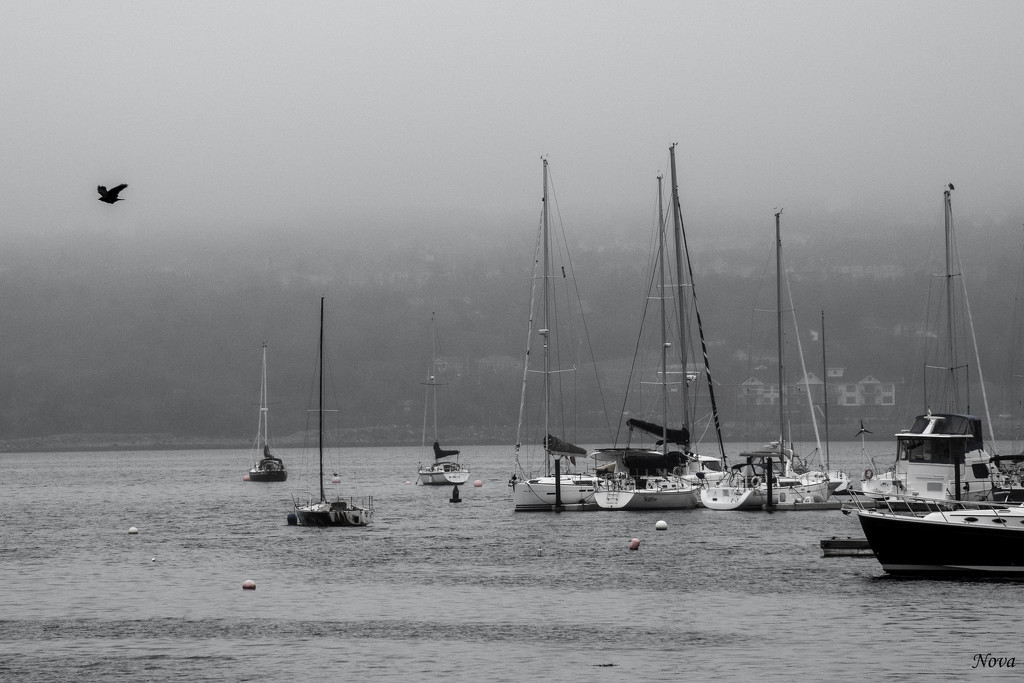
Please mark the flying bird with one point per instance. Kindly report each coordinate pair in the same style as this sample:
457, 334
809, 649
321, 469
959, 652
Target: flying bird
110, 196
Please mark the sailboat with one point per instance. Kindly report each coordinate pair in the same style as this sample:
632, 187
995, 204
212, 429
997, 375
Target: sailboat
446, 468
668, 476
766, 477
324, 512
554, 489
269, 467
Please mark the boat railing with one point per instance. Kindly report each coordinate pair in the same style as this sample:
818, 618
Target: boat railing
907, 505
367, 502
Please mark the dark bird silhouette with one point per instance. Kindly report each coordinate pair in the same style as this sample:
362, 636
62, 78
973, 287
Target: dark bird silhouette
110, 196
863, 430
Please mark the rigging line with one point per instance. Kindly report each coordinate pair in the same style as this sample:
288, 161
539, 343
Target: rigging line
583, 320
555, 342
529, 342
654, 248
803, 366
703, 343
753, 330
977, 357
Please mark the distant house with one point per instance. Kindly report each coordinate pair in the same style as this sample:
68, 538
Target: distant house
498, 363
451, 367
867, 392
756, 392
810, 385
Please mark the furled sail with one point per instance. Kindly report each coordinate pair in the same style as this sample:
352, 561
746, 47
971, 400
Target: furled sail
680, 436
652, 462
442, 453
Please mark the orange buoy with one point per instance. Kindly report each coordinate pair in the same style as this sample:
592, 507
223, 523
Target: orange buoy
634, 544
248, 585
478, 483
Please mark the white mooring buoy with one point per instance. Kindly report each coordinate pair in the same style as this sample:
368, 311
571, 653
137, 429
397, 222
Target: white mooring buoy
133, 530
248, 585
661, 525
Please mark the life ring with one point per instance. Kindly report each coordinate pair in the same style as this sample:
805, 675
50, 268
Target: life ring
755, 482
868, 474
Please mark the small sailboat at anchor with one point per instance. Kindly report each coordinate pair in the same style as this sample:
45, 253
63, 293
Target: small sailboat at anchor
446, 468
324, 512
269, 467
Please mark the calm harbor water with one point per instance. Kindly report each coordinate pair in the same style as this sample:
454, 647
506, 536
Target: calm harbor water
469, 591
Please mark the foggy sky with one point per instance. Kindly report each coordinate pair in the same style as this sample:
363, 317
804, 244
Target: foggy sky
403, 115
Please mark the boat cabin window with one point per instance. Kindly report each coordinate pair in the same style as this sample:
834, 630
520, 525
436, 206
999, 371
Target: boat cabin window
980, 470
932, 451
711, 466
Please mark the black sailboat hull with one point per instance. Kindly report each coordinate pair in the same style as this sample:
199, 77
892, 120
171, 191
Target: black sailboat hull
914, 545
333, 514
265, 476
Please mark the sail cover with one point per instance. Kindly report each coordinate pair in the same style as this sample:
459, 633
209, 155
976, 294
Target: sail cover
680, 436
652, 462
442, 453
559, 447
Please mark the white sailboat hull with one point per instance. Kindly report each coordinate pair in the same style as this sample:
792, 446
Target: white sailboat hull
645, 499
538, 495
727, 497
657, 493
443, 473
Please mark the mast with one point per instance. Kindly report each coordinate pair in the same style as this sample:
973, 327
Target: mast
950, 391
431, 383
677, 226
665, 344
545, 333
320, 426
950, 322
778, 301
263, 429
824, 387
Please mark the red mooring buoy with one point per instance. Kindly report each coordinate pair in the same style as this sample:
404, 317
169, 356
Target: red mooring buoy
634, 544
248, 585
